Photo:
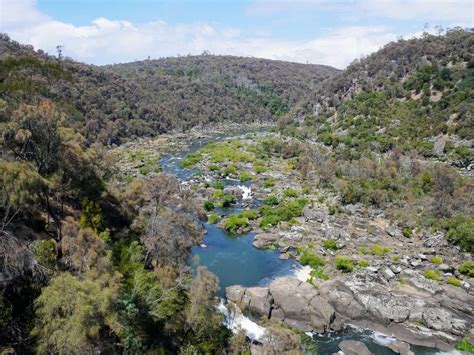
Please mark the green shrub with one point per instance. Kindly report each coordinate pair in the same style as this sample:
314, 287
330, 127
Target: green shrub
218, 185
467, 268
330, 244
285, 212
234, 222
344, 264
245, 176
213, 167
270, 182
45, 252
308, 258
437, 260
333, 209
213, 218
454, 281
143, 170
190, 160
249, 214
217, 194
208, 205
363, 250
395, 258
363, 263
465, 345
370, 229
271, 200
319, 274
379, 250
461, 232
290, 193
227, 200
230, 170
407, 232
432, 275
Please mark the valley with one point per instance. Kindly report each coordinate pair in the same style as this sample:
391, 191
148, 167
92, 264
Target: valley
229, 205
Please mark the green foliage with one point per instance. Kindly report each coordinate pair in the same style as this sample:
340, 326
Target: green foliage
271, 200
363, 263
45, 252
191, 160
363, 250
230, 170
245, 176
227, 200
143, 170
467, 268
208, 205
330, 244
460, 231
271, 216
437, 260
379, 250
454, 281
213, 218
465, 345
318, 274
344, 264
308, 258
234, 222
91, 216
249, 214
432, 274
71, 314
218, 185
407, 232
290, 193
269, 182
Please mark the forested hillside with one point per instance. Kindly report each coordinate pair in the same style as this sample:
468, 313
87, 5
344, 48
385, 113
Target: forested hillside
152, 97
411, 94
196, 90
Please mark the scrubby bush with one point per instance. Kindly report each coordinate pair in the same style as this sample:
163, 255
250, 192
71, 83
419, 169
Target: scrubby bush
290, 192
227, 200
218, 185
190, 160
432, 274
271, 200
249, 214
467, 268
454, 281
330, 244
208, 205
461, 232
270, 182
245, 176
45, 252
379, 250
308, 258
234, 222
437, 260
213, 218
344, 264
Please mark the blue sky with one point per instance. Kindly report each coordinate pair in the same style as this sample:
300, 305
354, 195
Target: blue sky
315, 31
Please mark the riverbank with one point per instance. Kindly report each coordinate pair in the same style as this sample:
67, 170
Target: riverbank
362, 266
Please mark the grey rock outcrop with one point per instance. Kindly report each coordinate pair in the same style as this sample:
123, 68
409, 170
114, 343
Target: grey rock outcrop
354, 347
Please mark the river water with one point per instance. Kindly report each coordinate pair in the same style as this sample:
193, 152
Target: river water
236, 262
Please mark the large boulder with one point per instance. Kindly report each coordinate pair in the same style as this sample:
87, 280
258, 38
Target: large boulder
354, 347
265, 240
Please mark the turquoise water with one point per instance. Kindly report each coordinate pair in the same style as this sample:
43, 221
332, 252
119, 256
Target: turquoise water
234, 260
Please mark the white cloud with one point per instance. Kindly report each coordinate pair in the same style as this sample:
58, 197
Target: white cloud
458, 11
105, 41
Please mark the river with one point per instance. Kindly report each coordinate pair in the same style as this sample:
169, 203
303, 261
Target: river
236, 262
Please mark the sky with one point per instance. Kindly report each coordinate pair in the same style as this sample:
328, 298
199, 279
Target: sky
306, 31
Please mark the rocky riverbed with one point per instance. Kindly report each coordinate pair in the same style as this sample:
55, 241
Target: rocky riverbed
405, 286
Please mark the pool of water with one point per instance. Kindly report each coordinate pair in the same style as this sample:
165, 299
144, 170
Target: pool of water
236, 262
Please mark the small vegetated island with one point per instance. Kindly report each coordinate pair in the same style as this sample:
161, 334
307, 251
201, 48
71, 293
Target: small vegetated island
111, 176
